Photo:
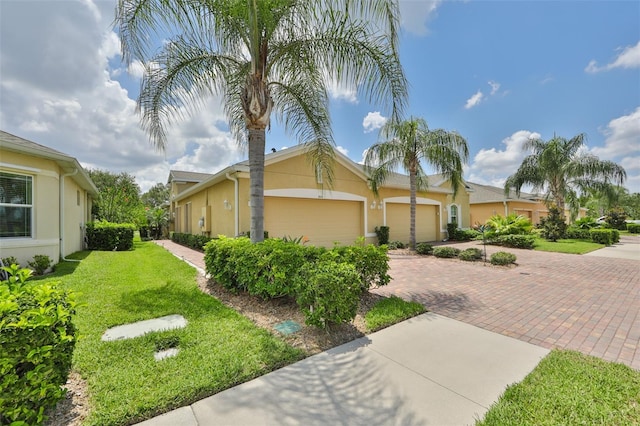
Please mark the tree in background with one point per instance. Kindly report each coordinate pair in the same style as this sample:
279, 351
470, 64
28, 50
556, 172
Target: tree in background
565, 170
262, 56
119, 200
156, 196
405, 145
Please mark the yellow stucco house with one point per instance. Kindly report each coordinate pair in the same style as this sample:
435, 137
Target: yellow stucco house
45, 200
486, 201
298, 202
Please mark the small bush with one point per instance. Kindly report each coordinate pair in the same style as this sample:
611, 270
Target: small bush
577, 233
446, 252
393, 245
512, 224
467, 234
602, 236
40, 263
633, 228
382, 232
10, 260
471, 254
516, 241
616, 219
502, 258
424, 248
553, 226
37, 338
452, 230
328, 292
105, 235
196, 242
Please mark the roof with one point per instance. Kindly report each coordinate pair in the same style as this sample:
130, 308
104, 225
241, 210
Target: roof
69, 164
184, 176
491, 194
395, 180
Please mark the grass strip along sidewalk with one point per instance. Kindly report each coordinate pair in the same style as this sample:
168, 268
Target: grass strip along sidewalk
219, 348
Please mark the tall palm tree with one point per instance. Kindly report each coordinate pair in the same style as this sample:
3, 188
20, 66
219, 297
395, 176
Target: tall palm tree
564, 169
406, 144
262, 57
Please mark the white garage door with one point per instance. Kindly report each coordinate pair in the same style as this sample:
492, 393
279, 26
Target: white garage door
322, 221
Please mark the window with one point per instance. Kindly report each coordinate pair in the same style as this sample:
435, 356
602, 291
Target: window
16, 205
453, 216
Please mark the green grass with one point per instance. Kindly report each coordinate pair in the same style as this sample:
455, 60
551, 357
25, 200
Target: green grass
219, 348
390, 311
567, 246
569, 388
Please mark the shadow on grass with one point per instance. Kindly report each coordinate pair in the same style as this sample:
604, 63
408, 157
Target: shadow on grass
65, 267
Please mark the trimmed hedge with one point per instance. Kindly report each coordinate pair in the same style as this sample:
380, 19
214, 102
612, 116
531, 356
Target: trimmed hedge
606, 236
446, 252
633, 228
37, 338
471, 254
273, 267
502, 258
515, 241
196, 242
104, 235
576, 233
424, 248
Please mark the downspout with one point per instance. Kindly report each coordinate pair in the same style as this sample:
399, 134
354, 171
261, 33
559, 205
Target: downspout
236, 198
61, 215
506, 209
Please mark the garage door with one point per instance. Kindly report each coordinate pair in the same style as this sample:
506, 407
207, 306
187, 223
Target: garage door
322, 221
398, 218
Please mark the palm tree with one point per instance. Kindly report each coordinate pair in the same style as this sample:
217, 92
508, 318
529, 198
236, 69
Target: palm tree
262, 57
564, 169
405, 144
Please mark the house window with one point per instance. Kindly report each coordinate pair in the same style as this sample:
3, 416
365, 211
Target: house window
453, 216
16, 205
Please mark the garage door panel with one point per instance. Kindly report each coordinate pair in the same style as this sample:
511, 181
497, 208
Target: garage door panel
398, 221
322, 221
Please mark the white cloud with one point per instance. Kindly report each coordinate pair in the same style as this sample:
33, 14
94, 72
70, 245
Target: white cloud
629, 57
474, 100
342, 92
414, 14
136, 69
342, 150
495, 86
58, 90
373, 121
493, 166
623, 137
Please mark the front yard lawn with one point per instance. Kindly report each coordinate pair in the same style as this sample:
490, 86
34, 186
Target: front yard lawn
569, 388
219, 348
567, 246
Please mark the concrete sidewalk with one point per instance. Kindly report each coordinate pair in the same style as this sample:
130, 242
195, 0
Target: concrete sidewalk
426, 370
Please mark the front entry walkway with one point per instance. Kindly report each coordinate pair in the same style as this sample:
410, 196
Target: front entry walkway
586, 303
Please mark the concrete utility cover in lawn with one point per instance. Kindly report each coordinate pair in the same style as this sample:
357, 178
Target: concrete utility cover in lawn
128, 331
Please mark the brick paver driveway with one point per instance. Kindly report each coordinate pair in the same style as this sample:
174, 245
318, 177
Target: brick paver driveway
584, 303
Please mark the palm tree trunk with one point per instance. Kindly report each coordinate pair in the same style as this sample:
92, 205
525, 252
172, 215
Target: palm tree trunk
256, 176
412, 208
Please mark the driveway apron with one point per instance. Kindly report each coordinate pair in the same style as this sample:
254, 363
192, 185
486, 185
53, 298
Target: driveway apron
586, 303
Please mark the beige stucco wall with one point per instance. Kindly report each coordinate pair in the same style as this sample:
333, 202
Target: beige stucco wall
46, 210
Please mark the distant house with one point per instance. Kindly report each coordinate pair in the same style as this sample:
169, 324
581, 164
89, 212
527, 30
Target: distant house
45, 200
298, 202
486, 201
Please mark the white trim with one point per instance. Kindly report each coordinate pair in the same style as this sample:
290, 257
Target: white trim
23, 168
321, 194
18, 242
459, 207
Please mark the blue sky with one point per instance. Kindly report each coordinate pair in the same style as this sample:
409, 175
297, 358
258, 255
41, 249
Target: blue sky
498, 72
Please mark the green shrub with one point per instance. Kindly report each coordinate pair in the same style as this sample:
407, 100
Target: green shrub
616, 218
10, 260
585, 223
382, 232
502, 258
424, 248
105, 235
467, 234
602, 236
446, 252
505, 225
393, 245
471, 254
37, 338
633, 228
196, 242
328, 292
516, 241
40, 263
452, 230
553, 226
575, 232
371, 263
